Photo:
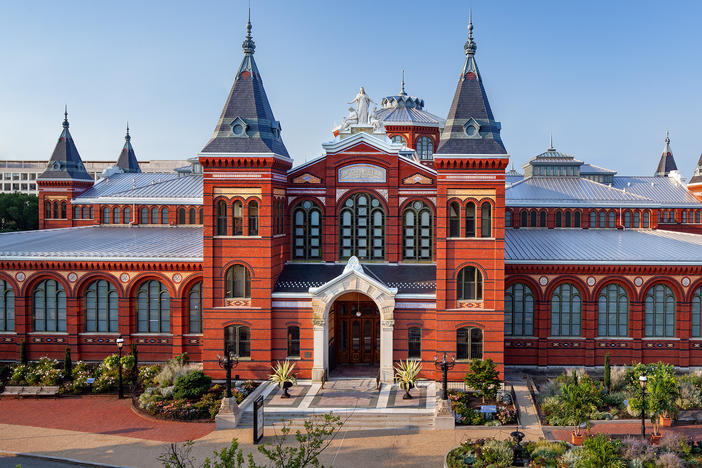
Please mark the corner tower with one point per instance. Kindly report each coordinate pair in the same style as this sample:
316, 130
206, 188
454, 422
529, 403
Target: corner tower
127, 160
244, 181
667, 162
470, 163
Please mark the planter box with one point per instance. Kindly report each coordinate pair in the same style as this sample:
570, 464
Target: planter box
231, 419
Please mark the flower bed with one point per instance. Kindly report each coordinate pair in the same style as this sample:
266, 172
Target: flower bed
466, 407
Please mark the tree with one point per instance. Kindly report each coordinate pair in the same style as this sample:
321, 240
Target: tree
23, 352
603, 452
607, 372
484, 378
135, 367
67, 364
18, 212
579, 400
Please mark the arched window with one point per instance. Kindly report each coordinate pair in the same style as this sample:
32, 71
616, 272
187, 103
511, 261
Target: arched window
542, 219
414, 343
105, 215
603, 219
293, 341
84, 212
398, 139
47, 210
417, 232
115, 215
637, 219
195, 308
307, 231
164, 216
425, 147
200, 215
76, 212
191, 216
508, 218
63, 210
91, 212
56, 210
696, 314
144, 216
154, 215
532, 218
576, 219
237, 340
253, 218
559, 219
469, 343
237, 282
565, 311
362, 228
486, 220
101, 309
627, 219
613, 311
684, 217
519, 310
567, 219
153, 308
593, 219
659, 314
181, 215
611, 219
127, 215
524, 218
469, 284
646, 219
470, 220
221, 218
454, 220
7, 307
697, 216
49, 307
237, 218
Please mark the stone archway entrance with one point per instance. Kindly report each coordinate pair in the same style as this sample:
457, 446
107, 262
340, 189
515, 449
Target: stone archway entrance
353, 280
354, 332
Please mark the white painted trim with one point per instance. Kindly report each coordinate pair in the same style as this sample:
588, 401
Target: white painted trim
415, 296
291, 295
334, 147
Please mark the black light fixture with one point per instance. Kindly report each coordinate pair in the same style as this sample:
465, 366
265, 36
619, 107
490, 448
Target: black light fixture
120, 343
444, 365
227, 362
643, 380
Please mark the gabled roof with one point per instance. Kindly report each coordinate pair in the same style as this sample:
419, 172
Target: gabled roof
127, 160
470, 102
65, 162
664, 191
667, 162
383, 145
121, 182
165, 189
247, 124
697, 176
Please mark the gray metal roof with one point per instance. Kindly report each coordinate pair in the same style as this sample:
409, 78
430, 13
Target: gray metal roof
399, 114
183, 187
121, 183
602, 246
568, 191
101, 243
592, 169
663, 190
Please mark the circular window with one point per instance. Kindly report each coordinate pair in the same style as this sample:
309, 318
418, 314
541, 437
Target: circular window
238, 129
375, 202
417, 205
307, 205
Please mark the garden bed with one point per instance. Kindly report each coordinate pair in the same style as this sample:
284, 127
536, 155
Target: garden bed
466, 407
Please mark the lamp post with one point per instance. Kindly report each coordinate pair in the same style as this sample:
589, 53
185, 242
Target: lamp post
643, 380
444, 365
227, 362
120, 343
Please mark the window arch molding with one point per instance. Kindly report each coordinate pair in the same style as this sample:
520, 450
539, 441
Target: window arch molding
83, 283
677, 289
138, 280
11, 282
100, 304
237, 203
48, 305
306, 243
486, 217
31, 282
533, 285
480, 278
583, 289
425, 147
421, 234
350, 231
253, 216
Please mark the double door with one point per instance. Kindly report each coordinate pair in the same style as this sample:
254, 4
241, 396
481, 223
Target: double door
357, 333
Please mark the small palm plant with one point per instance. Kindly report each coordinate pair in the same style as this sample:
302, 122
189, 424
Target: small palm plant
284, 376
406, 373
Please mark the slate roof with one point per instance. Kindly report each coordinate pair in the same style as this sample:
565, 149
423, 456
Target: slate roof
406, 110
697, 176
408, 279
248, 105
118, 183
667, 162
127, 160
101, 243
65, 162
602, 246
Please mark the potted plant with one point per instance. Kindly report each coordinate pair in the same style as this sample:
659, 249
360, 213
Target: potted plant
406, 373
283, 376
578, 402
663, 391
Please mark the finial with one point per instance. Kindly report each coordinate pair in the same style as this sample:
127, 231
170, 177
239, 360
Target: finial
470, 45
402, 86
127, 137
248, 45
65, 116
667, 137
550, 142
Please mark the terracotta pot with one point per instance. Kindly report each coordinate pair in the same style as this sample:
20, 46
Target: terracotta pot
576, 439
665, 421
656, 438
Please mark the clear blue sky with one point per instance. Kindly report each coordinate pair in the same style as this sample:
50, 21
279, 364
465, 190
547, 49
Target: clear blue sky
607, 78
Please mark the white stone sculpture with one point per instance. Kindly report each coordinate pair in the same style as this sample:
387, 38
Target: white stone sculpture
362, 101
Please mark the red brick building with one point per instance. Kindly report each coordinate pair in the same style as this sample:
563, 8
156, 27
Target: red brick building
405, 239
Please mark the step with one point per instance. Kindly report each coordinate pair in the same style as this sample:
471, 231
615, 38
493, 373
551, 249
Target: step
355, 420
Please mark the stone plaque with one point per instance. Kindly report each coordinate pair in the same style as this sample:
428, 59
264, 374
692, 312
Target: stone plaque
362, 173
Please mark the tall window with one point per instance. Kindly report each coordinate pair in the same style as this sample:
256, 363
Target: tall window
144, 216
469, 343
63, 210
454, 220
627, 219
56, 210
576, 219
593, 219
362, 228
76, 212
7, 307
532, 218
637, 219
90, 210
696, 314
567, 219
646, 219
603, 219
508, 218
154, 215
565, 311
200, 215
221, 218
542, 219
237, 282
659, 312
105, 215
84, 212
153, 308
47, 209
195, 309
181, 215
425, 147
115, 215
469, 284
101, 309
293, 341
126, 216
613, 311
519, 310
398, 139
697, 216
414, 343
237, 340
417, 234
486, 220
164, 216
191, 216
49, 307
470, 220
253, 218
524, 218
307, 231
237, 218
611, 219
559, 219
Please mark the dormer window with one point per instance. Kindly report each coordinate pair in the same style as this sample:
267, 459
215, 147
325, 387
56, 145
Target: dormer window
239, 127
275, 129
398, 139
472, 128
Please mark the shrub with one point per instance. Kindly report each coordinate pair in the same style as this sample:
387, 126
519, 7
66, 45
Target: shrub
484, 378
690, 396
23, 352
497, 453
636, 449
67, 364
670, 460
191, 386
80, 375
579, 401
618, 378
603, 452
546, 453
106, 374
134, 371
673, 442
171, 371
19, 374
147, 374
614, 399
607, 379
549, 389
572, 458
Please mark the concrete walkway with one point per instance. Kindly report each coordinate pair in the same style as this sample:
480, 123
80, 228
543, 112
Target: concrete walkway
528, 417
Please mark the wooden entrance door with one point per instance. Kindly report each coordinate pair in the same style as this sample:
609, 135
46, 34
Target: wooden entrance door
357, 332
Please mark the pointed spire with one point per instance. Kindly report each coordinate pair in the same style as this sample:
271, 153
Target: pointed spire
65, 116
65, 162
248, 45
402, 85
470, 46
127, 137
550, 142
667, 162
127, 160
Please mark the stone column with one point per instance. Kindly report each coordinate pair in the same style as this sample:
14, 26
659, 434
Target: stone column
320, 349
386, 350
